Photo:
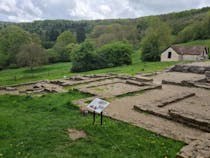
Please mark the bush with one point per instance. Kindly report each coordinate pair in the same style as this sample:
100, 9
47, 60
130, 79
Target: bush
115, 54
85, 58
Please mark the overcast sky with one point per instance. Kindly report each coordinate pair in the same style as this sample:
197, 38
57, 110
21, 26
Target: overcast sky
30, 10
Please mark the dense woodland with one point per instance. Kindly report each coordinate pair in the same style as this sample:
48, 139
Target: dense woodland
97, 44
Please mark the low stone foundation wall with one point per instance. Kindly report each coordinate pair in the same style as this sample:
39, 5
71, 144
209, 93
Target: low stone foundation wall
190, 69
136, 83
204, 83
182, 83
191, 119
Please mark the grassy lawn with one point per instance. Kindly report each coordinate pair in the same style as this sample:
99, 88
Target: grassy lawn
36, 127
139, 67
197, 42
57, 71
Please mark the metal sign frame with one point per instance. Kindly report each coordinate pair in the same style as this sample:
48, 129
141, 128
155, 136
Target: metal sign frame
98, 106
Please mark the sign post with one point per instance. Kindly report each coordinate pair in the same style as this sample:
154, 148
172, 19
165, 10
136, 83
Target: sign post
98, 106
101, 118
94, 117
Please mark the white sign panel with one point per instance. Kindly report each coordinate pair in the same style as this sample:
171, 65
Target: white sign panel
98, 105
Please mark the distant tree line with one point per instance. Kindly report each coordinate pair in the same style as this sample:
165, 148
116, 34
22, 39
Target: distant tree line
20, 48
104, 34
99, 43
49, 30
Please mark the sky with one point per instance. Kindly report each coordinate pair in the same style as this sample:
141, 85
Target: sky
30, 10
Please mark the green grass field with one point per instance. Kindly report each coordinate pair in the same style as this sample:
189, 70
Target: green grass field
59, 70
197, 42
36, 127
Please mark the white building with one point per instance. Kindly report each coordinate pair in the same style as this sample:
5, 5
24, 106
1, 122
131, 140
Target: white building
179, 53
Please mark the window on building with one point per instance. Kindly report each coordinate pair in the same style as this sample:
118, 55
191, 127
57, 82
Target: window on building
169, 55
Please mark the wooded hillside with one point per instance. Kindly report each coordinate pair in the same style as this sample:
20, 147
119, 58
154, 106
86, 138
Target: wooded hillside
57, 40
49, 30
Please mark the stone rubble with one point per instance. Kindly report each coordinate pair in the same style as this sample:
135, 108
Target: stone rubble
190, 69
197, 149
43, 87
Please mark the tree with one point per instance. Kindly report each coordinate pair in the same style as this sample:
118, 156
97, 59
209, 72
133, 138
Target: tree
31, 55
196, 30
3, 60
80, 33
70, 48
157, 38
11, 39
142, 26
115, 54
53, 56
65, 38
84, 58
62, 41
35, 38
151, 48
104, 34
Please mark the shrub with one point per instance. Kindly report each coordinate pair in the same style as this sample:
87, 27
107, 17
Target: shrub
115, 54
84, 58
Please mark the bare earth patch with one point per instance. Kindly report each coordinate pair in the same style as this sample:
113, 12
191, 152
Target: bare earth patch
75, 134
